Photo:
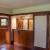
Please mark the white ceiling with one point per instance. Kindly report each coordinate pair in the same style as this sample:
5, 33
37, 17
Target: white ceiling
21, 3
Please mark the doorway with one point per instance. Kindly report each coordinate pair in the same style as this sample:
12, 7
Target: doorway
23, 30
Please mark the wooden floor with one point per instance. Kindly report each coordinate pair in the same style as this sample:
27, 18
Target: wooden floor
15, 47
11, 47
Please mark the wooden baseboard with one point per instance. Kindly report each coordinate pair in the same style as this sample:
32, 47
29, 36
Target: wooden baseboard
22, 45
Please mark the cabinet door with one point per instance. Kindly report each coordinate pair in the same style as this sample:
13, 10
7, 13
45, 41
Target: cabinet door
7, 37
2, 36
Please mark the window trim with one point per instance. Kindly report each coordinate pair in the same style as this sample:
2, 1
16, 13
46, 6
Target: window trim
6, 25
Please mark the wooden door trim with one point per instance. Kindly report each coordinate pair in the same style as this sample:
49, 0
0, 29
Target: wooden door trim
47, 35
48, 24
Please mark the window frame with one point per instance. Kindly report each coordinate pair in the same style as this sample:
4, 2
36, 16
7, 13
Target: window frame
7, 21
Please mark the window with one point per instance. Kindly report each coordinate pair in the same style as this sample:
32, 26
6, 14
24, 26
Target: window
4, 22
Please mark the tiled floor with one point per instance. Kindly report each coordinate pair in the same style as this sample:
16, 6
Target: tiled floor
11, 47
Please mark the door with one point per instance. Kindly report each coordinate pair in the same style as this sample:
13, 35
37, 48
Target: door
23, 30
4, 29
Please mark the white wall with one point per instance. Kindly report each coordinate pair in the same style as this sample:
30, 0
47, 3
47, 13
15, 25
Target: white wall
40, 31
13, 22
5, 10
